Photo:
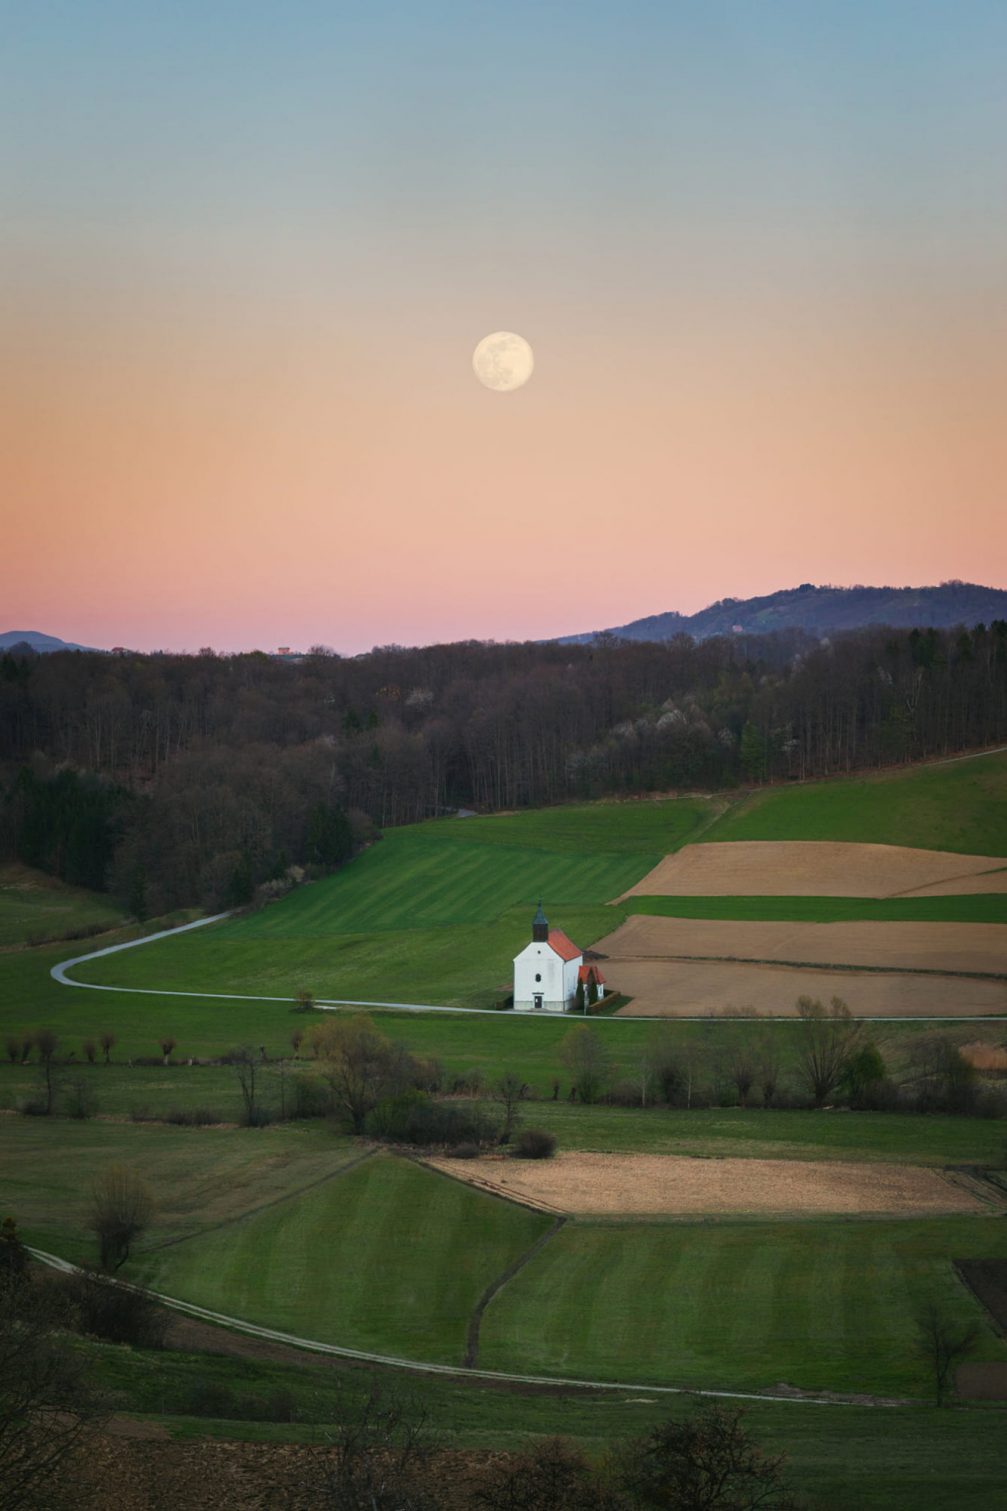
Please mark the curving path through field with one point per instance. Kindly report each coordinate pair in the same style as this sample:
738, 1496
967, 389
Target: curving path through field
274, 1335
330, 1004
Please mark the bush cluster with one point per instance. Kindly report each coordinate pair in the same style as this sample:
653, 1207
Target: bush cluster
415, 1117
534, 1143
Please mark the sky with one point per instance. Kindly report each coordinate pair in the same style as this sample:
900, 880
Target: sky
759, 248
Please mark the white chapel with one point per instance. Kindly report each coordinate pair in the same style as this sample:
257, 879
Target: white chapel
547, 971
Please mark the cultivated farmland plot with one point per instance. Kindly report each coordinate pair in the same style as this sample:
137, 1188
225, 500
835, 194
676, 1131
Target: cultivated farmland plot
818, 868
681, 966
670, 1185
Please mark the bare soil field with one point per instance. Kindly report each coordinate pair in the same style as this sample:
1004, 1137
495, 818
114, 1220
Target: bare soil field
676, 1185
985, 1056
685, 989
975, 947
814, 868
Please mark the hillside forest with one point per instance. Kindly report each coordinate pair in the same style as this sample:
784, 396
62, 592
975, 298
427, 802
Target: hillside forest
176, 781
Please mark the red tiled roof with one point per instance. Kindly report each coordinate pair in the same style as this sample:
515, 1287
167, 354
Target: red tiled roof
564, 947
591, 973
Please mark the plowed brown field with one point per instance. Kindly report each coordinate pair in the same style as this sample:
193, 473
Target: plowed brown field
671, 1184
686, 989
678, 966
813, 868
896, 946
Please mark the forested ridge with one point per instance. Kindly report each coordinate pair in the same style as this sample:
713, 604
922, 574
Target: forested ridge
174, 780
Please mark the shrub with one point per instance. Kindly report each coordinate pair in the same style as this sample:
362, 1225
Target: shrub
119, 1313
34, 1107
416, 1118
193, 1117
468, 1083
208, 1398
80, 1100
212, 1398
306, 1097
534, 1143
256, 1117
464, 1151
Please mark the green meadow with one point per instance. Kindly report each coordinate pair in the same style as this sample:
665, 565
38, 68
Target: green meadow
389, 1257
982, 907
823, 1305
291, 1228
954, 805
36, 906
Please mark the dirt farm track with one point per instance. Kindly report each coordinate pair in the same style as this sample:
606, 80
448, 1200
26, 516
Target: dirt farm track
818, 868
675, 966
672, 1185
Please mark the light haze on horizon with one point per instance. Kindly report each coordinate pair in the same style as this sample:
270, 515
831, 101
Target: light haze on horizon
760, 253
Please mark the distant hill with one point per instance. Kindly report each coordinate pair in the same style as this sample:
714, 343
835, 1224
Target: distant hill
821, 611
36, 641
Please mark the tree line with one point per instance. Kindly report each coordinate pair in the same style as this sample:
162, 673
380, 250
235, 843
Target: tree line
182, 780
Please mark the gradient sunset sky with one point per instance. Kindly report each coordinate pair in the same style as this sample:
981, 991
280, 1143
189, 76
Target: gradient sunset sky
759, 248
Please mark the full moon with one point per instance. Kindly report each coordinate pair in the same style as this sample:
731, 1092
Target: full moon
503, 361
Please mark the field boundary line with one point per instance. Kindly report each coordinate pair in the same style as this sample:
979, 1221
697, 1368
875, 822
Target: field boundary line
496, 1286
811, 965
942, 881
451, 1371
227, 1222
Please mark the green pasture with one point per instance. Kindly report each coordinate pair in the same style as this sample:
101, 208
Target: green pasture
389, 1257
34, 905
277, 1228
955, 805
635, 826
982, 907
837, 1456
419, 917
200, 1178
823, 1305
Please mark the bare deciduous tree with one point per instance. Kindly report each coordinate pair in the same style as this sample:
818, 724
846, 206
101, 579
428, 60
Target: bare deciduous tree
587, 1059
768, 1061
552, 1476
943, 1343
121, 1209
360, 1066
742, 1063
107, 1042
167, 1045
246, 1068
828, 1039
380, 1458
510, 1091
46, 1043
45, 1411
707, 1462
